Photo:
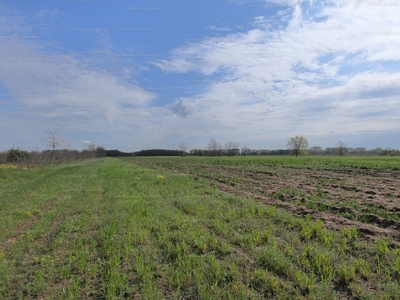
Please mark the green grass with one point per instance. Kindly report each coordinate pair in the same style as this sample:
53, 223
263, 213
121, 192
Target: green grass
109, 229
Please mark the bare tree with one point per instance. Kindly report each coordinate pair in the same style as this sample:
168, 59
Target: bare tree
297, 144
182, 148
245, 151
52, 140
342, 147
91, 147
212, 147
220, 150
89, 151
231, 148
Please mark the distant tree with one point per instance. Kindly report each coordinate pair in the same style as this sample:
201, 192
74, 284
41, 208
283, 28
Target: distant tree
396, 152
220, 150
316, 150
330, 150
100, 151
245, 151
389, 152
153, 152
116, 153
52, 138
342, 147
231, 148
360, 150
297, 144
182, 148
91, 147
375, 151
212, 147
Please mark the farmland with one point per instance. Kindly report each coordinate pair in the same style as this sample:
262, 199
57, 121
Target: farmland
202, 228
338, 190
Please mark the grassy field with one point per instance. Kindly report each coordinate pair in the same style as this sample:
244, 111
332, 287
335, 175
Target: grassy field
196, 228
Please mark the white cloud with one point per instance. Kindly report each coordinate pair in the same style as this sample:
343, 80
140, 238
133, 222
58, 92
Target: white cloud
223, 29
47, 88
273, 79
319, 69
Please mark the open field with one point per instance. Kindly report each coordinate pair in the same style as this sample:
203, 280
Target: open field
201, 228
342, 191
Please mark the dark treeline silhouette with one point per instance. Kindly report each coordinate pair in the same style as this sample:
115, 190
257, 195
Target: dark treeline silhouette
116, 153
158, 152
254, 152
149, 152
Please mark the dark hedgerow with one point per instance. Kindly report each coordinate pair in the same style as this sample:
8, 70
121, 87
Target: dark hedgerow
15, 155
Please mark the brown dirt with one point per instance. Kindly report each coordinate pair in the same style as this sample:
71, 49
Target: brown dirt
364, 187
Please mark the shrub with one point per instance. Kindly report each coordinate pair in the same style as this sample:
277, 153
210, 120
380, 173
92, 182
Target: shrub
15, 155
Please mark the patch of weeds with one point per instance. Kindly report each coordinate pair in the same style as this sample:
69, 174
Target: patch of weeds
309, 228
306, 231
391, 290
351, 203
265, 282
307, 251
326, 237
275, 260
365, 218
342, 247
373, 209
224, 248
320, 193
289, 250
305, 282
396, 267
323, 266
382, 246
363, 268
350, 233
349, 215
323, 291
254, 238
358, 291
346, 273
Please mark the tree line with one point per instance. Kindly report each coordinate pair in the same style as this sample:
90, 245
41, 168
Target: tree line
59, 151
297, 145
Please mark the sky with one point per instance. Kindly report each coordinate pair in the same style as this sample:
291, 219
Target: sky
136, 74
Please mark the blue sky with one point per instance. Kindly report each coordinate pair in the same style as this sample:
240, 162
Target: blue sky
141, 74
